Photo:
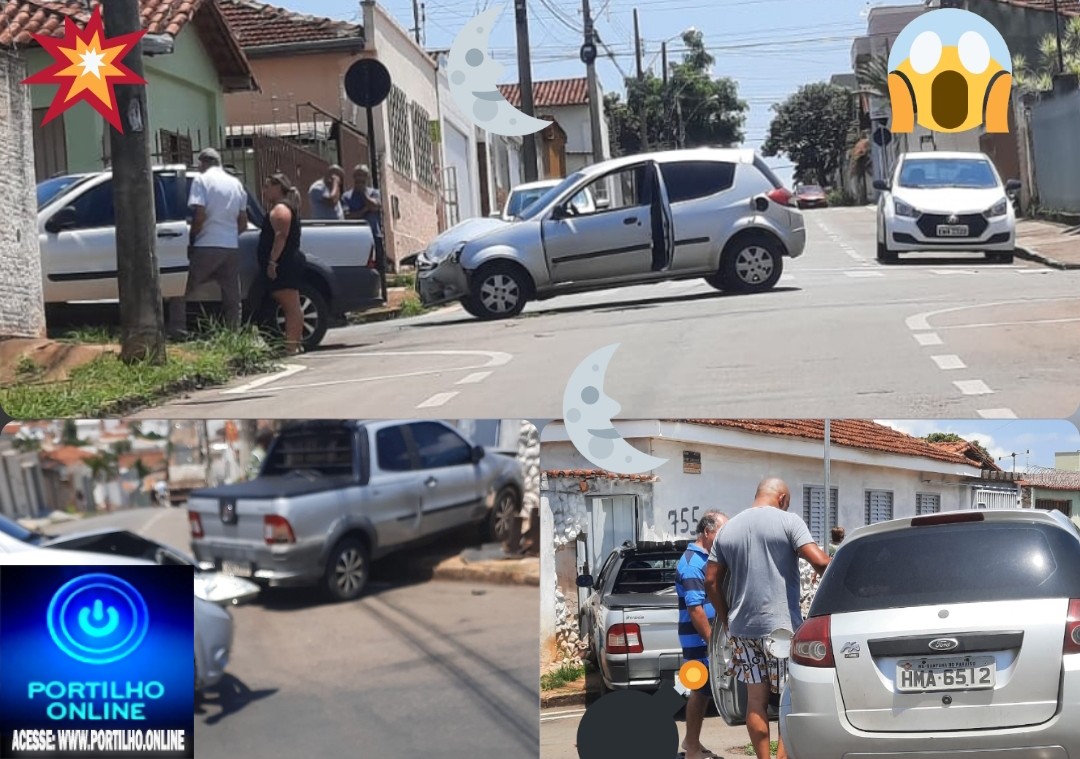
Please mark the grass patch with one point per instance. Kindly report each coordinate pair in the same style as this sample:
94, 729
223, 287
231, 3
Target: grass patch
412, 306
106, 386
27, 370
402, 279
91, 336
748, 749
564, 675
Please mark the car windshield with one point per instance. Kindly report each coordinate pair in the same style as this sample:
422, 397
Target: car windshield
522, 199
647, 573
809, 189
951, 564
974, 173
50, 188
15, 530
542, 202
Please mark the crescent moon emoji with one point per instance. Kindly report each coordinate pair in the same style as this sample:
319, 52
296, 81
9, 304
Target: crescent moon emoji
587, 413
473, 81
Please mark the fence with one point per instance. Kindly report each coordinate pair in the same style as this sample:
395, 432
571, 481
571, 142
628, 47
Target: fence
1056, 147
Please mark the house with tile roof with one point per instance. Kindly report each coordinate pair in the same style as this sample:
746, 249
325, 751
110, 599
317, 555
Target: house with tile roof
566, 101
876, 473
185, 88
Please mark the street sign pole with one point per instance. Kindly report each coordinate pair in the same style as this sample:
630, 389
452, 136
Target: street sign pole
380, 249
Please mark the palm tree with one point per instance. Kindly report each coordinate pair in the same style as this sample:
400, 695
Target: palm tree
873, 76
1040, 77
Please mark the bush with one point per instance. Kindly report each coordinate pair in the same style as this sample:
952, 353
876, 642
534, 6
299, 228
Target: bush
840, 198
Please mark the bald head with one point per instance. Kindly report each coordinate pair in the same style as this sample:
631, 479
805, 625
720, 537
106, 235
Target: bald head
773, 491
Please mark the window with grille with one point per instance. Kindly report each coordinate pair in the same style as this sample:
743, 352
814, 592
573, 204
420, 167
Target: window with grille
400, 145
814, 510
927, 503
879, 506
422, 145
1047, 504
175, 148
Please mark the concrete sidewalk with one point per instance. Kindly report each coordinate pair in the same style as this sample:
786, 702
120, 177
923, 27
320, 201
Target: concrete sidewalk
1049, 243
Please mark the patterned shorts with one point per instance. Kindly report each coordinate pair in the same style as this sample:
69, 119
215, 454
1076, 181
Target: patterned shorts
751, 664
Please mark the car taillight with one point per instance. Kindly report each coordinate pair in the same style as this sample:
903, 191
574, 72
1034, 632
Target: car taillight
812, 644
781, 196
277, 530
950, 517
195, 521
624, 639
1072, 628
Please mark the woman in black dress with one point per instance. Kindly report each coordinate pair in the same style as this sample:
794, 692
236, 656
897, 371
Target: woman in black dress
279, 254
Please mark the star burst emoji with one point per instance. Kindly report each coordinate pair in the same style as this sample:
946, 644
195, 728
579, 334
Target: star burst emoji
87, 68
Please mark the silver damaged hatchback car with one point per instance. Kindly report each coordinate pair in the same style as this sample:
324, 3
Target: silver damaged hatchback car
949, 635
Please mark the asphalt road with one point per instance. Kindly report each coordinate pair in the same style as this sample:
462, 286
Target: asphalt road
841, 336
421, 670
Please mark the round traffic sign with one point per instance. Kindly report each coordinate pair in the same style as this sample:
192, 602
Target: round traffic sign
367, 82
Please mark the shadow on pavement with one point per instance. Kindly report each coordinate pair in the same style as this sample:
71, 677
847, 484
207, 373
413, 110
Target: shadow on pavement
230, 696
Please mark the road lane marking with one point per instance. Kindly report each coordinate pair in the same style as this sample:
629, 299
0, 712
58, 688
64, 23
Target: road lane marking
921, 322
992, 325
473, 378
290, 370
561, 717
997, 413
562, 713
949, 361
972, 387
928, 338
438, 399
947, 272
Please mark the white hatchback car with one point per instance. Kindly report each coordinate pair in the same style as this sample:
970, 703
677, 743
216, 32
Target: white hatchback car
954, 634
941, 201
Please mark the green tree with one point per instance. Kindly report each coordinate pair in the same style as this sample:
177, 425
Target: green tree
952, 437
873, 76
26, 444
696, 110
812, 128
1038, 75
69, 435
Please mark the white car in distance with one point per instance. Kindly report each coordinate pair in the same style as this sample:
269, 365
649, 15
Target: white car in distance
943, 201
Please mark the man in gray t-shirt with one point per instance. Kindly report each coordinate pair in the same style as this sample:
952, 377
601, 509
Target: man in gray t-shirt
757, 555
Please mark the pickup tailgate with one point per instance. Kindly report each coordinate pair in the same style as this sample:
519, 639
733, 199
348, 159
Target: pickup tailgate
651, 620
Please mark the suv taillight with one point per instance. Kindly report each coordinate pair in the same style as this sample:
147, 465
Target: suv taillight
812, 644
277, 530
195, 521
624, 639
781, 196
1072, 628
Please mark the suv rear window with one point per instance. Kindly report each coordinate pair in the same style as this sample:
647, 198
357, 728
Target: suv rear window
324, 449
647, 573
950, 564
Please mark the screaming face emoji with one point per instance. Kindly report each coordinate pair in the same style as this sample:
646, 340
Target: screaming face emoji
950, 71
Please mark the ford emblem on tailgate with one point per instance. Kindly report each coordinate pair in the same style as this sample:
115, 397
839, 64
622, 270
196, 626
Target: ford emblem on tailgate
944, 644
228, 511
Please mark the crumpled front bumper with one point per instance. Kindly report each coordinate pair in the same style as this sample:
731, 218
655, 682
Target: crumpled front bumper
440, 282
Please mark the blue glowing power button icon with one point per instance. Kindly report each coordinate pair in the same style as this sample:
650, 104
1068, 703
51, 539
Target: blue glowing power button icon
98, 619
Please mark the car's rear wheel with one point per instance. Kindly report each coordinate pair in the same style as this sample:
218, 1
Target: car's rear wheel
503, 513
347, 570
499, 291
315, 311
751, 263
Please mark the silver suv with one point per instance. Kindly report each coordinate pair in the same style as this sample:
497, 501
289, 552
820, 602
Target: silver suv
334, 495
954, 634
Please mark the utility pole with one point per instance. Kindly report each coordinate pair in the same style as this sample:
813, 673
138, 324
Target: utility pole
416, 20
594, 88
663, 124
142, 327
642, 120
828, 485
525, 86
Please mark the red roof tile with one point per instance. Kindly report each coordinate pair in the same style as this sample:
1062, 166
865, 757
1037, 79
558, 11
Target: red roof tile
66, 455
598, 474
553, 92
152, 460
20, 18
853, 433
257, 24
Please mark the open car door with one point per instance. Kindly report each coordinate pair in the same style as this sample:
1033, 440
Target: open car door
663, 226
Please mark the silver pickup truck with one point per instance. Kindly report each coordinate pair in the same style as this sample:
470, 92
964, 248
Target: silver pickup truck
334, 495
77, 237
632, 619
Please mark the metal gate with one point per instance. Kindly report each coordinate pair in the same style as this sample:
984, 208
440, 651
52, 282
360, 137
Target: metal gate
984, 498
273, 154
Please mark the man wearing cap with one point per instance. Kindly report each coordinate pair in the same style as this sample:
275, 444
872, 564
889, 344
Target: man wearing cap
218, 202
324, 195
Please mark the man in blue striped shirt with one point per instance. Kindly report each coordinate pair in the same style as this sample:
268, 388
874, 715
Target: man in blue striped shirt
696, 615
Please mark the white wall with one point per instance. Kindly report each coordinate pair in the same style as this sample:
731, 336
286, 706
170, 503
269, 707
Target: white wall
459, 148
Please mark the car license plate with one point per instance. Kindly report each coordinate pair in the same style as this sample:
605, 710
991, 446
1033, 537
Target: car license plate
237, 569
952, 230
938, 674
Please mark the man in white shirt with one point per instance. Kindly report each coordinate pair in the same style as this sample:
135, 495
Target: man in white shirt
218, 201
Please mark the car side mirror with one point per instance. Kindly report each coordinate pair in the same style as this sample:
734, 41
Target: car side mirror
585, 581
1013, 185
558, 213
478, 453
65, 218
881, 184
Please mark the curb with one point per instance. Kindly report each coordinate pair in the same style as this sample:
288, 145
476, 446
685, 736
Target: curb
562, 699
1031, 254
377, 315
456, 570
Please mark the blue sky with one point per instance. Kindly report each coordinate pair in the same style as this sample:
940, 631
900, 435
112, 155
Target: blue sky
770, 47
1002, 437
